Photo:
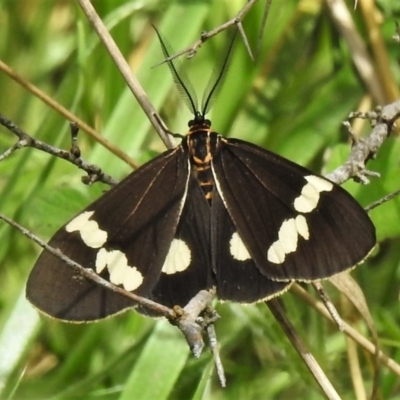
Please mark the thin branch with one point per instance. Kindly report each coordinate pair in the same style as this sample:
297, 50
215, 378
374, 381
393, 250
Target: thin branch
244, 37
66, 114
192, 49
347, 329
328, 304
189, 315
24, 140
365, 148
383, 200
263, 25
318, 373
213, 342
126, 72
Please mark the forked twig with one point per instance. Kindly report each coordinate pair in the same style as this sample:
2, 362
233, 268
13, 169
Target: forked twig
24, 140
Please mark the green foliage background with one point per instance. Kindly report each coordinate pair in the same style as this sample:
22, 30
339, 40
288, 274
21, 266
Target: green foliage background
292, 101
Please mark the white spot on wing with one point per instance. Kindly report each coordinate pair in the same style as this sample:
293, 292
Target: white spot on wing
309, 197
276, 254
79, 222
321, 184
302, 227
178, 257
101, 260
238, 249
307, 200
120, 272
288, 237
90, 232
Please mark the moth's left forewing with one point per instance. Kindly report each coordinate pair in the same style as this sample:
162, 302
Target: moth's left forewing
295, 224
124, 236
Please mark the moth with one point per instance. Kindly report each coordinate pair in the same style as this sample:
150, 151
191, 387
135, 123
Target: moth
211, 213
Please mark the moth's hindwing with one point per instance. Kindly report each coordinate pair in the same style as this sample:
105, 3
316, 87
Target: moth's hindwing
124, 236
238, 278
187, 268
295, 225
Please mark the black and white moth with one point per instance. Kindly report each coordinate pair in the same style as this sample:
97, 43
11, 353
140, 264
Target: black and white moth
213, 212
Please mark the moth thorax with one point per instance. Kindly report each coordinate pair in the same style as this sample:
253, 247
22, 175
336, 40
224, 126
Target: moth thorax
202, 145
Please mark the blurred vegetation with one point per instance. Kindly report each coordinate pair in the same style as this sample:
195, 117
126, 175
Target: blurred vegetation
292, 101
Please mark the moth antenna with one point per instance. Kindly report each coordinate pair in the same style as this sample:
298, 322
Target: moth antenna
180, 78
215, 82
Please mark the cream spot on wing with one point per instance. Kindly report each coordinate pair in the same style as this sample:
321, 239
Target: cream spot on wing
120, 272
321, 184
79, 222
309, 196
238, 249
307, 200
90, 232
101, 260
288, 237
276, 254
178, 257
302, 227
